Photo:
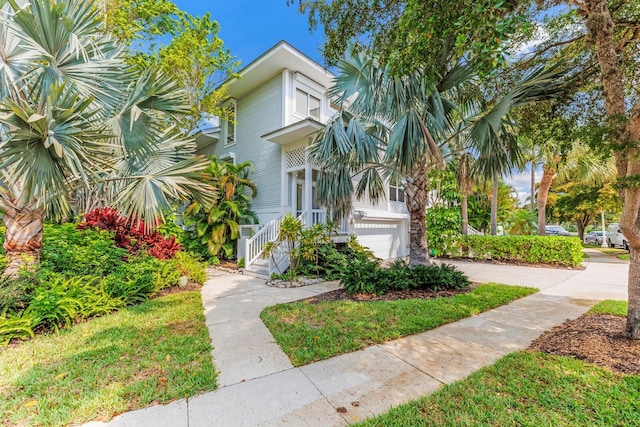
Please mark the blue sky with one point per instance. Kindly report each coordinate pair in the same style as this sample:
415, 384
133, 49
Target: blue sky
250, 27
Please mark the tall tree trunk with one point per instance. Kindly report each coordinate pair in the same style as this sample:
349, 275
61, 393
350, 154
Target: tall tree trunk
582, 225
625, 134
23, 238
533, 186
464, 211
416, 201
543, 192
494, 206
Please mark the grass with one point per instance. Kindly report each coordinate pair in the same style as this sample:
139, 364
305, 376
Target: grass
609, 306
527, 389
311, 332
624, 257
155, 352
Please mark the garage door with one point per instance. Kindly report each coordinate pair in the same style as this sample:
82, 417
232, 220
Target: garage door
386, 239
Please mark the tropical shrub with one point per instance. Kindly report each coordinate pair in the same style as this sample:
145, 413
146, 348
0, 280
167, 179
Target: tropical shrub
16, 325
130, 234
13, 295
52, 306
135, 280
189, 265
365, 276
72, 252
218, 228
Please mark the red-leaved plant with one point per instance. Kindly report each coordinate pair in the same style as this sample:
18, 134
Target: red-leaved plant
130, 234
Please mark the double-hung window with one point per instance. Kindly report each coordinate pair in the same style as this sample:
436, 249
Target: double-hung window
396, 193
307, 105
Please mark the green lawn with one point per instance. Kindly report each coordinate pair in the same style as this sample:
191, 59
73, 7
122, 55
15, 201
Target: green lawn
311, 332
529, 389
155, 352
609, 306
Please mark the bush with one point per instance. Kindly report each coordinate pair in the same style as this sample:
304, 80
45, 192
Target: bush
134, 281
14, 295
189, 265
364, 276
443, 225
131, 234
557, 250
71, 252
331, 260
16, 325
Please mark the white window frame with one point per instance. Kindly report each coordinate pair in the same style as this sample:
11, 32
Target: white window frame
397, 191
307, 106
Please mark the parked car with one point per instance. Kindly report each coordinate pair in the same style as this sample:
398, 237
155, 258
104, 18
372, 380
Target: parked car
615, 237
594, 237
556, 230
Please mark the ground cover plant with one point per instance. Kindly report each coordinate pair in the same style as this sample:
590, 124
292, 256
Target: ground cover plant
154, 352
581, 388
85, 273
310, 330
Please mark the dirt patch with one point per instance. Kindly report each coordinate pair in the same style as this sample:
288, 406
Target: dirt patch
184, 328
594, 338
191, 286
343, 295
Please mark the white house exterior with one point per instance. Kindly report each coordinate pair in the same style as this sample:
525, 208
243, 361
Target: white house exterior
280, 101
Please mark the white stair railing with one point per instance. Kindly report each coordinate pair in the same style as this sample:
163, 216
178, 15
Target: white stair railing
253, 246
280, 260
473, 232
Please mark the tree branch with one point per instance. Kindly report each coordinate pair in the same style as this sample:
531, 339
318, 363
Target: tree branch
537, 53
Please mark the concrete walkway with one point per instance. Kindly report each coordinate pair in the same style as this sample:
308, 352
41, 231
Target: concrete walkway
259, 386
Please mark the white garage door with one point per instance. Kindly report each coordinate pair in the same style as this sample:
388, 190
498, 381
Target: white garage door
386, 239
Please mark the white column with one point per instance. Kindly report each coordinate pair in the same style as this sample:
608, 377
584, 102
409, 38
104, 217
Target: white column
294, 193
308, 188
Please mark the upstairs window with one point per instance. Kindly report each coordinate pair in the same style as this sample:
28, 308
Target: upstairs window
396, 193
231, 126
307, 105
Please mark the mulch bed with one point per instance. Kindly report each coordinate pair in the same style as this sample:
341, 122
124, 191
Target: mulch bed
594, 338
342, 295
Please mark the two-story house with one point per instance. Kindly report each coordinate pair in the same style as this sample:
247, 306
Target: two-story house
280, 102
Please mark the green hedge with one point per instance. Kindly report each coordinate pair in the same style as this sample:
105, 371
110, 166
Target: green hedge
558, 250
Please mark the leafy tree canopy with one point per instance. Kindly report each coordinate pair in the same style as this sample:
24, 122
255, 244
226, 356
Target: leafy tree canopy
193, 54
411, 34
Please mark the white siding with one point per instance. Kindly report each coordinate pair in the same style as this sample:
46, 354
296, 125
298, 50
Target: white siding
259, 112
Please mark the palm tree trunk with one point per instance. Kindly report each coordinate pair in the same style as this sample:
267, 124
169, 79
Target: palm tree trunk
464, 211
23, 238
543, 192
494, 205
533, 186
416, 201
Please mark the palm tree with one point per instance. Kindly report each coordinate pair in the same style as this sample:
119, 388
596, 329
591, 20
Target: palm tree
493, 134
385, 133
74, 116
388, 127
